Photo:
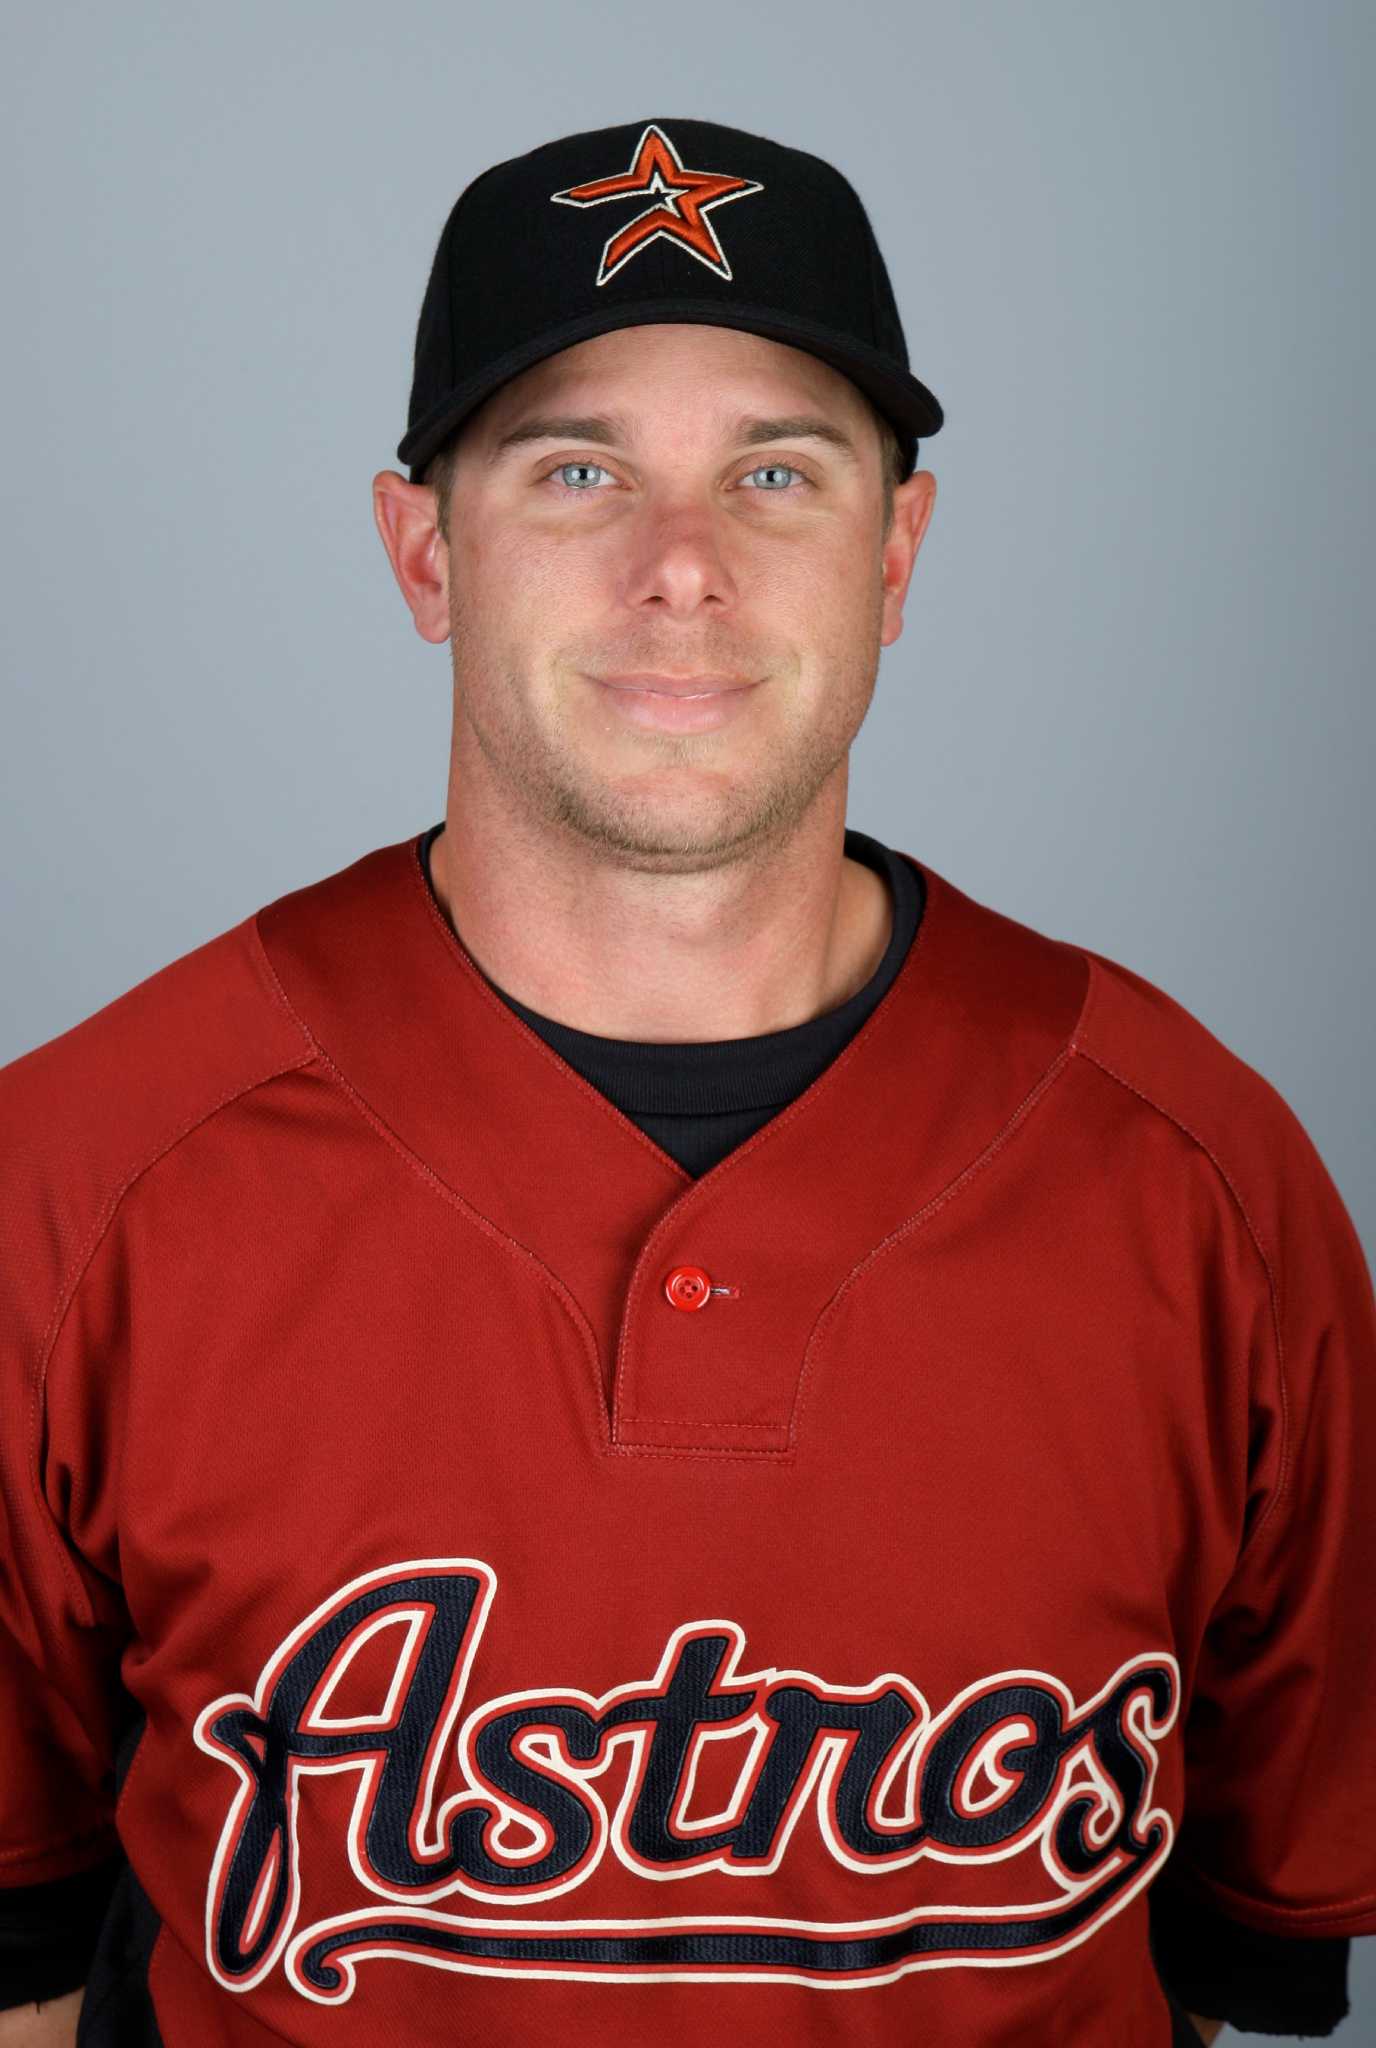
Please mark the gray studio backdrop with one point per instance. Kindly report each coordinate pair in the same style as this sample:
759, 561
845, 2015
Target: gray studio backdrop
1132, 703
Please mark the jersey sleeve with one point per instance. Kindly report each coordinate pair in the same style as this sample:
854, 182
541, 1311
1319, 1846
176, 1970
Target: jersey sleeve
83, 1118
1278, 1832
62, 1618
1260, 1983
60, 1641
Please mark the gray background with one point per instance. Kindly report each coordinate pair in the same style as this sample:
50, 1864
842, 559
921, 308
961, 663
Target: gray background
1132, 248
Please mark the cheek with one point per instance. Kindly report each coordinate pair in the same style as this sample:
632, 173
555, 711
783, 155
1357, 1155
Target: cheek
519, 591
829, 576
836, 605
536, 589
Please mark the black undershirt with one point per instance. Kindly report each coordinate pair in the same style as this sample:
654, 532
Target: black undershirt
699, 1100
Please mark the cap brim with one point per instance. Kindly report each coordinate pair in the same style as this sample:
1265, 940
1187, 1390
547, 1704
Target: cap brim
901, 397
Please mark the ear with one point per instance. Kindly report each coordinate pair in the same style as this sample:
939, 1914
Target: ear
406, 518
912, 510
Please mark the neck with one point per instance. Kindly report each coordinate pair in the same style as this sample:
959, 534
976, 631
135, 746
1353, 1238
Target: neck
586, 937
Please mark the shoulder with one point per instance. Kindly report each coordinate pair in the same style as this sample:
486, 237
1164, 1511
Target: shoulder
1149, 1043
164, 1053
1160, 1054
1012, 978
1155, 1080
84, 1114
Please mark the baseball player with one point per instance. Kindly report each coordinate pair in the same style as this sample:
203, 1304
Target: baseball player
634, 1419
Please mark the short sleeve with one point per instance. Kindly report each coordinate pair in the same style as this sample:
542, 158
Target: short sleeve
63, 1623
56, 1792
1260, 1983
1279, 1824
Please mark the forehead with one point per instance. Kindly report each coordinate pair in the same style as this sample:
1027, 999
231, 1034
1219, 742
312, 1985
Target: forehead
660, 368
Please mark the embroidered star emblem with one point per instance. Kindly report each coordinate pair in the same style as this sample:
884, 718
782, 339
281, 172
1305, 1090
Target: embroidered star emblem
680, 202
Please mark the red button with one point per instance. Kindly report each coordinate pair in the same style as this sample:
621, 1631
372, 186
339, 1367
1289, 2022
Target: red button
688, 1287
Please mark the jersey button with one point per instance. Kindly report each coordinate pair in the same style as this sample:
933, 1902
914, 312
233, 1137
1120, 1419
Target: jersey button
688, 1287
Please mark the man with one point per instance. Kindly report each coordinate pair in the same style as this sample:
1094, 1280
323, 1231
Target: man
634, 1400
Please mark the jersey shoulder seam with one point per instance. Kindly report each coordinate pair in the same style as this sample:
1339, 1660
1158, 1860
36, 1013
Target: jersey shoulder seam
80, 1266
1087, 1052
162, 1147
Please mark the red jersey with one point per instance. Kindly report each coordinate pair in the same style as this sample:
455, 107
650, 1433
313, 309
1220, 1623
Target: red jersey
545, 1596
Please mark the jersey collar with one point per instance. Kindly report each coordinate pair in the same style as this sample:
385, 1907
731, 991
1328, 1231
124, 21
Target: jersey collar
572, 1199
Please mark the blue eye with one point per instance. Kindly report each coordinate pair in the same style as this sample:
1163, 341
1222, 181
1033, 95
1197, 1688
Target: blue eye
578, 465
596, 468
786, 468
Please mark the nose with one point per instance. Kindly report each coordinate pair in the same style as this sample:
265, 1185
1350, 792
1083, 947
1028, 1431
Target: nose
677, 557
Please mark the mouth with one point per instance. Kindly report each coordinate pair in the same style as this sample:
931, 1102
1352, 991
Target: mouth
690, 687
676, 704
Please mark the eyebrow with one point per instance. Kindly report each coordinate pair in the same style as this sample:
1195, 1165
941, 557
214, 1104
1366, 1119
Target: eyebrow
751, 430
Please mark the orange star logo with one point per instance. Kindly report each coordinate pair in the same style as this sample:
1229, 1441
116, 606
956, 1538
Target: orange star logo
680, 203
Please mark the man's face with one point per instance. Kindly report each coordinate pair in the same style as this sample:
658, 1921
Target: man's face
639, 531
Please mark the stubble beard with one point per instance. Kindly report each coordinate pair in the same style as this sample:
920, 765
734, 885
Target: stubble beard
652, 828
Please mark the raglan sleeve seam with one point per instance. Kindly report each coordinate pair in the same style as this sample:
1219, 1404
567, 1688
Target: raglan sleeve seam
272, 982
1329, 1922
1281, 1497
70, 1288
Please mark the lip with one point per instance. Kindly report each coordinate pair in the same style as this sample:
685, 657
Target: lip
677, 686
676, 704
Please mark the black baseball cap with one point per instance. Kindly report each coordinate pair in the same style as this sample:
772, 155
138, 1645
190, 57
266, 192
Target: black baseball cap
647, 222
